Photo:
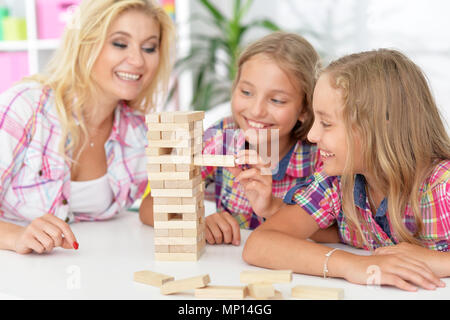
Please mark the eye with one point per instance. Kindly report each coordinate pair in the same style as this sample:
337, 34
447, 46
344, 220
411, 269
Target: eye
246, 93
150, 49
119, 45
277, 101
325, 124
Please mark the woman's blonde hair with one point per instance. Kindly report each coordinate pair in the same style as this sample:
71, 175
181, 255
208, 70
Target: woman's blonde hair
295, 56
389, 106
68, 73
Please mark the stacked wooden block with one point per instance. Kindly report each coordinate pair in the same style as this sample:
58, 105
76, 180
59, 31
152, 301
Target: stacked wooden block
174, 140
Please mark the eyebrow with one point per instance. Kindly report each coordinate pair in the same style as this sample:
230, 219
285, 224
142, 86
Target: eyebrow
323, 114
129, 35
275, 91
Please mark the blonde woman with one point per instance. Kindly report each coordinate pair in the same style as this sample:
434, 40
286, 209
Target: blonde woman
385, 180
73, 138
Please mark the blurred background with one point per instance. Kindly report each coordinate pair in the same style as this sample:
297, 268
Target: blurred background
212, 32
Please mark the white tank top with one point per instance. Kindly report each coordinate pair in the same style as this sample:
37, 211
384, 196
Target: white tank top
90, 197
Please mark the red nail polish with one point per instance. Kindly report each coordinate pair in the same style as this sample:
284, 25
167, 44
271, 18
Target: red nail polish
75, 245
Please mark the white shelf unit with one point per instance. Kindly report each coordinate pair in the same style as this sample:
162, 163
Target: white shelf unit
33, 46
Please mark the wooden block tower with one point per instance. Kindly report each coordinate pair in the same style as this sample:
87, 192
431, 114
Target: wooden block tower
174, 154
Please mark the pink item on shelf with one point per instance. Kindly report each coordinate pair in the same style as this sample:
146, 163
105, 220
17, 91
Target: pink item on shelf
14, 66
53, 15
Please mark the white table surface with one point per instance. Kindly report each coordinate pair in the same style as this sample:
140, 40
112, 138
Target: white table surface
111, 251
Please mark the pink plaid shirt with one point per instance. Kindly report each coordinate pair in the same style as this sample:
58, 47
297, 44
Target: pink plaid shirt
322, 200
35, 177
294, 169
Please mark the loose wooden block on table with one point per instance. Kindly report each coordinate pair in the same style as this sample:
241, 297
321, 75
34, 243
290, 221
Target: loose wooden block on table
266, 276
185, 284
221, 292
317, 293
151, 278
261, 290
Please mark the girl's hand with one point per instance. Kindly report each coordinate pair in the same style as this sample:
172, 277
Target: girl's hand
256, 181
400, 270
437, 261
44, 234
222, 227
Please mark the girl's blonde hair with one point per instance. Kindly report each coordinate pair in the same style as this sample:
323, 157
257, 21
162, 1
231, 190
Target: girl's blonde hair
295, 56
68, 73
389, 106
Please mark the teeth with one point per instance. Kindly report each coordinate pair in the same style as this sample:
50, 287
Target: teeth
256, 124
128, 76
326, 154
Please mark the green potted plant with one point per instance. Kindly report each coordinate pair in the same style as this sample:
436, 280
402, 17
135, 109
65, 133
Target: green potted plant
212, 57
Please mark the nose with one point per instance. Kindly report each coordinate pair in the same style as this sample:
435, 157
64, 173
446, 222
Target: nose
258, 109
314, 133
135, 57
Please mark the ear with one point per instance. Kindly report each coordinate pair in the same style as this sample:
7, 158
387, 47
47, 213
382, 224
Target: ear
302, 117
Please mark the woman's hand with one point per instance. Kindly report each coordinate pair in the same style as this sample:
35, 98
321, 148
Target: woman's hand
222, 227
399, 270
257, 183
439, 262
44, 234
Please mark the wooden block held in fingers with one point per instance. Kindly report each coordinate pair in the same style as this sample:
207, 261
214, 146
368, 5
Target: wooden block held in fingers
261, 290
151, 278
317, 293
221, 292
172, 287
266, 276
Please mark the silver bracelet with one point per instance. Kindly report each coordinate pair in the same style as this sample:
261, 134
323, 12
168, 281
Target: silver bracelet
325, 265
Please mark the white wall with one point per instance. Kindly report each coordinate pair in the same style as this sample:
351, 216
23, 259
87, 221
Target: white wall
420, 29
